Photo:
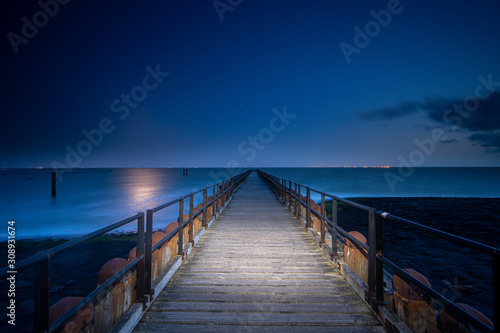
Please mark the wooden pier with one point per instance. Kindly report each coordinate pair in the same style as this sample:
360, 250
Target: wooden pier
256, 256
258, 270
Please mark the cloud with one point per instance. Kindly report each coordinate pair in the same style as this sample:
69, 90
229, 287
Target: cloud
489, 140
402, 110
448, 141
481, 117
473, 115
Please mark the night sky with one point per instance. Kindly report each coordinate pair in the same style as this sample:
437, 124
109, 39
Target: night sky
250, 83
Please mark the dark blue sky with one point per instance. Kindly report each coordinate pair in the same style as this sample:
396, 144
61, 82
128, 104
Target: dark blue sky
274, 83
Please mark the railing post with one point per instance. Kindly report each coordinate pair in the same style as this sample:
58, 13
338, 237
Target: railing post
334, 230
42, 295
308, 204
191, 224
283, 192
181, 230
140, 264
290, 197
214, 195
205, 207
323, 216
224, 188
148, 253
279, 188
375, 278
496, 290
296, 200
371, 252
379, 266
299, 206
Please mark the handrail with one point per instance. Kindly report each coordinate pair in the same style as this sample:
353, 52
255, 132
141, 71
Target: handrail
142, 263
374, 247
112, 281
41, 261
483, 248
42, 255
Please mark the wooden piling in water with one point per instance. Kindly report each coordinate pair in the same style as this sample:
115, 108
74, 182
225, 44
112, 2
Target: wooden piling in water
53, 184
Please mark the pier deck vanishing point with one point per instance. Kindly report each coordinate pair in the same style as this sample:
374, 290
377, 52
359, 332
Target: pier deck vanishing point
258, 270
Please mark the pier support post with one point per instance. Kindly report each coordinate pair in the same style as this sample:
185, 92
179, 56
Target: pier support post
215, 207
323, 215
372, 239
191, 224
42, 295
181, 222
205, 207
308, 207
140, 265
296, 201
53, 185
375, 268
334, 230
290, 198
148, 253
496, 290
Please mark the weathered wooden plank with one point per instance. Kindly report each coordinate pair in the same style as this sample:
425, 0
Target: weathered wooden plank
262, 306
262, 264
262, 282
262, 318
190, 328
283, 253
275, 270
278, 298
242, 289
214, 255
277, 276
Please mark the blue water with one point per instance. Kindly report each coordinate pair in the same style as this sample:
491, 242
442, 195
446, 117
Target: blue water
89, 199
376, 182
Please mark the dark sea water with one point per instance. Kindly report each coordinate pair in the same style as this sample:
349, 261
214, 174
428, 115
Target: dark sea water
393, 182
88, 199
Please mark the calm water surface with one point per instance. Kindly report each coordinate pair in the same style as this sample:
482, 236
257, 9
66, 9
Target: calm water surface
89, 199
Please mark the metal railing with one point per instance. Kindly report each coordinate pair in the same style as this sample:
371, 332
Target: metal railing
41, 262
142, 263
290, 192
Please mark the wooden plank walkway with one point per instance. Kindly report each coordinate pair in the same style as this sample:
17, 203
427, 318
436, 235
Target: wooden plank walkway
257, 270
